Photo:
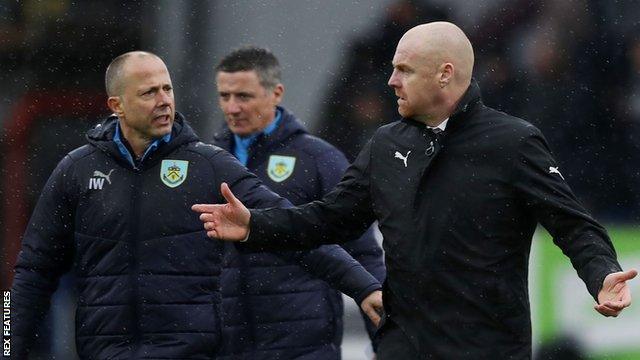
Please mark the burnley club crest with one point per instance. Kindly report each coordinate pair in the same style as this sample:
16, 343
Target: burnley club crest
280, 167
173, 172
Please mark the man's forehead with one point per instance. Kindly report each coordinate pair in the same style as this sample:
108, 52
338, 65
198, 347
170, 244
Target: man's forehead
146, 70
403, 55
144, 64
238, 78
242, 75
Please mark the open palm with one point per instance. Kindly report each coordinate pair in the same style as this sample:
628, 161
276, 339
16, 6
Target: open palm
615, 294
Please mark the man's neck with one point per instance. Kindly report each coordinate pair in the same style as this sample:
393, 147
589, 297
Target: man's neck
433, 120
267, 129
447, 109
137, 144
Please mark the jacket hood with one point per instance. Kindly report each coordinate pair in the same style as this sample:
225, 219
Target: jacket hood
289, 126
101, 136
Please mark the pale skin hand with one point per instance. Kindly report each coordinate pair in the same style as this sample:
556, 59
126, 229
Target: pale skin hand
615, 294
372, 306
228, 221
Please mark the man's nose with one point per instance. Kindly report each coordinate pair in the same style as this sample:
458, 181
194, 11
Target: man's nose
165, 98
393, 80
232, 107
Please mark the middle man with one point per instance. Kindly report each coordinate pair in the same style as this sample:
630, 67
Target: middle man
274, 308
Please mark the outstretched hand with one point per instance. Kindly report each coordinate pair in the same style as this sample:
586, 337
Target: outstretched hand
615, 294
372, 306
228, 221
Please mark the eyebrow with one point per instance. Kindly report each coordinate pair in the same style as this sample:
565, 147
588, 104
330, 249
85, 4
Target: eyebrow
237, 93
155, 87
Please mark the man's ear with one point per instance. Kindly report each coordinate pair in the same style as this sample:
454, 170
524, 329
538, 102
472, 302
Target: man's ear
278, 93
115, 105
447, 71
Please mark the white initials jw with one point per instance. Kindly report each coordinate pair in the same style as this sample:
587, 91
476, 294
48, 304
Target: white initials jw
97, 181
403, 157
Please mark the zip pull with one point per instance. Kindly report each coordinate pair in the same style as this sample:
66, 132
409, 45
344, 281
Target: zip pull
430, 149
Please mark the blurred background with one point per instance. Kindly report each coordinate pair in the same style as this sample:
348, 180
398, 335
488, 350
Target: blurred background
571, 67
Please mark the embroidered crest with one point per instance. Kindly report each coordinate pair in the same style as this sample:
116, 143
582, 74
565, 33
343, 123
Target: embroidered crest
173, 172
280, 167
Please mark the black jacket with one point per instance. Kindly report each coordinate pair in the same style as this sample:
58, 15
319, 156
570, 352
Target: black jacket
457, 220
256, 287
147, 275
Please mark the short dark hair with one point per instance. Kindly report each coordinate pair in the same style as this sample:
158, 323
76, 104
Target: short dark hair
249, 58
113, 75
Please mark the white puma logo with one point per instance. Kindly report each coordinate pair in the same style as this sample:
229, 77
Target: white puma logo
554, 170
100, 174
403, 157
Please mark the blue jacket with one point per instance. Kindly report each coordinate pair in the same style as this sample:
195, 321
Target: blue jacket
148, 276
278, 309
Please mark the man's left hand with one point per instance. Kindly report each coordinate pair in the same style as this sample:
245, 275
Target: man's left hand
615, 294
372, 306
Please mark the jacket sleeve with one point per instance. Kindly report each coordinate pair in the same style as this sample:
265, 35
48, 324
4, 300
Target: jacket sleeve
337, 268
365, 249
345, 213
46, 254
538, 179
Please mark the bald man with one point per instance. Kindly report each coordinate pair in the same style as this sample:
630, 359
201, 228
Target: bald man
458, 189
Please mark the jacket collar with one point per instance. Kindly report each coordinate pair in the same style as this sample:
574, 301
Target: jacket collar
469, 100
288, 127
101, 136
465, 107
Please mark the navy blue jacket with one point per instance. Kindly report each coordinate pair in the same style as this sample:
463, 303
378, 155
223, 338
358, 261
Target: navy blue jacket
274, 308
148, 276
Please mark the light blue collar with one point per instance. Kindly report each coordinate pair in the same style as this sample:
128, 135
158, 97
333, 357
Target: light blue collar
242, 143
117, 138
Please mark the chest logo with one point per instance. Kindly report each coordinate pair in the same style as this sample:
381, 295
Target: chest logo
96, 182
280, 167
173, 172
554, 170
404, 158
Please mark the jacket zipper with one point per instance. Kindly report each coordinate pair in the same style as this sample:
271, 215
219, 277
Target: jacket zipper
135, 262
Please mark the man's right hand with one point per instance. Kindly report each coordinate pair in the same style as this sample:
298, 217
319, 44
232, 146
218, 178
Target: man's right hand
228, 221
373, 307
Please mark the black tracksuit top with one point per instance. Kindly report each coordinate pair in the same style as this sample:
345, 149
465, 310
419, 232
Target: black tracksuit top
457, 219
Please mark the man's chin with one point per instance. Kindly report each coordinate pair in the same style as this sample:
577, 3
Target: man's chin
162, 131
403, 112
240, 131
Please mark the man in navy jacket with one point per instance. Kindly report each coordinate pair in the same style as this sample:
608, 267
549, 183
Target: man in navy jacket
256, 288
116, 211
